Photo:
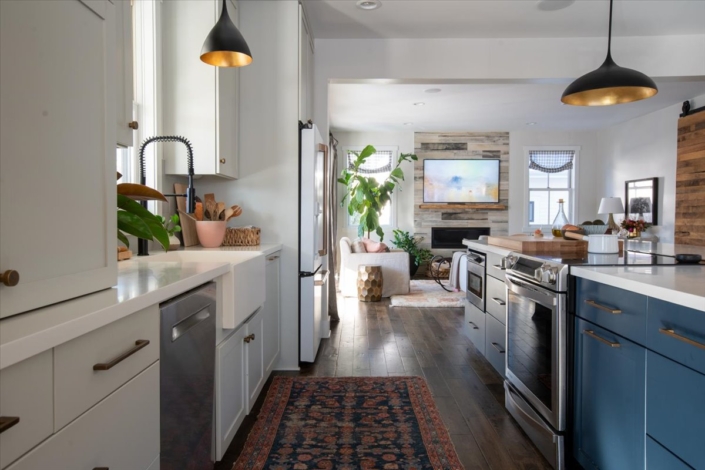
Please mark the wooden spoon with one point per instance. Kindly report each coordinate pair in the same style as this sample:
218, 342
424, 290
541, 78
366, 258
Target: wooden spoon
237, 210
219, 208
209, 213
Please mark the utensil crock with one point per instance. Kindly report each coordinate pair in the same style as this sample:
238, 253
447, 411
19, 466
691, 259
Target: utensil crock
211, 233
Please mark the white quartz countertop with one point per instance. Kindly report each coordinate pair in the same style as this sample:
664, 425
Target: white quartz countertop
266, 249
481, 245
682, 285
141, 283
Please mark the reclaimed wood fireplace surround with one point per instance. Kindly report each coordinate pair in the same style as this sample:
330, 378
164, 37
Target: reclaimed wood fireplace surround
460, 145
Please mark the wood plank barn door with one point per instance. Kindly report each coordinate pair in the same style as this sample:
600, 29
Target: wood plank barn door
690, 181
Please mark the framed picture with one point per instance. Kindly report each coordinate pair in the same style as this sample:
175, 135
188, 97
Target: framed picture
641, 200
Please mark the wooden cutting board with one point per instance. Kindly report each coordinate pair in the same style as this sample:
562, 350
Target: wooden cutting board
540, 246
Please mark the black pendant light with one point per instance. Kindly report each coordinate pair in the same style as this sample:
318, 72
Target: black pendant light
610, 84
225, 46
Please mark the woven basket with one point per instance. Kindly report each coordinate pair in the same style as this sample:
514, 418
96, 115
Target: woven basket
439, 269
242, 236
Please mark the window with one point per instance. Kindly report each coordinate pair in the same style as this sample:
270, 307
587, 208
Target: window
551, 176
378, 166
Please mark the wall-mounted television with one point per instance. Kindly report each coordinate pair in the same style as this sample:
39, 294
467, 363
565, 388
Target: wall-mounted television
461, 181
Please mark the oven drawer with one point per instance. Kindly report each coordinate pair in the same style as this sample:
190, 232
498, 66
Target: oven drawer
495, 340
677, 332
617, 310
494, 266
475, 326
496, 300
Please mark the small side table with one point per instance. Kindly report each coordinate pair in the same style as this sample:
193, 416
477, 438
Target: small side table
369, 283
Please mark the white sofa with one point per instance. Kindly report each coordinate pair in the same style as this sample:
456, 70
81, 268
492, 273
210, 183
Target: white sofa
395, 270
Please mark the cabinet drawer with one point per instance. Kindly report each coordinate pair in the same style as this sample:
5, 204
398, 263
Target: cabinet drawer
496, 301
78, 386
495, 344
675, 408
25, 393
677, 332
617, 310
493, 261
658, 458
475, 326
120, 433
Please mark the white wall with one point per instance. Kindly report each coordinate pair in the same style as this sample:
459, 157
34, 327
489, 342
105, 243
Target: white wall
404, 206
267, 189
587, 172
644, 147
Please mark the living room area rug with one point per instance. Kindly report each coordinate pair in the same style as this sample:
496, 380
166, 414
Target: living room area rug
428, 294
348, 423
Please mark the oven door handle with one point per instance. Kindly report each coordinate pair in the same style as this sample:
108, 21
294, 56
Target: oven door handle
545, 298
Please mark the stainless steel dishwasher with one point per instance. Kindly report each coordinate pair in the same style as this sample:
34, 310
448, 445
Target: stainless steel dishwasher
187, 379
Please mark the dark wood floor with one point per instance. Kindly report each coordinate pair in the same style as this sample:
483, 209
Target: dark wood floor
373, 339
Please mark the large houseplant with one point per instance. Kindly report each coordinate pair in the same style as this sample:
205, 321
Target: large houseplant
367, 196
417, 255
136, 220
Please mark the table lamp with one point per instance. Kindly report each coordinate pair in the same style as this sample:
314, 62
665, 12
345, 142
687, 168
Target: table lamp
611, 206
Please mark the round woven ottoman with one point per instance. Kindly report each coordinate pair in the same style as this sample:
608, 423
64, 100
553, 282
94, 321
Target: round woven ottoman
369, 283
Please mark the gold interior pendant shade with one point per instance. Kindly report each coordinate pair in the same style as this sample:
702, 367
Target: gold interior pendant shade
610, 84
225, 46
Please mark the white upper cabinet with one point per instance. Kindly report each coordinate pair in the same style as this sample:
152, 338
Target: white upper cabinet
123, 74
200, 101
57, 152
305, 68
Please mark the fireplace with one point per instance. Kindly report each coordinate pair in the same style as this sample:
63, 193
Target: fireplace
452, 238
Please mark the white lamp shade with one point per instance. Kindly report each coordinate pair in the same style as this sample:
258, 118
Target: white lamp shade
611, 205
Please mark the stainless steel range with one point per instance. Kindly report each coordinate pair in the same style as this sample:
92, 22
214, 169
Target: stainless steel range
536, 380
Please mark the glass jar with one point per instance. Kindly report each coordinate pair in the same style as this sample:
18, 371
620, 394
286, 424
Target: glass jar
559, 221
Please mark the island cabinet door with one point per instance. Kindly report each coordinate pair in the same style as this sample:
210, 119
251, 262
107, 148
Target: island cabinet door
609, 400
231, 394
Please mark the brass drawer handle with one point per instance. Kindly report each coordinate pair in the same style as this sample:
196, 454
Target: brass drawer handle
134, 125
139, 344
592, 334
249, 338
101, 468
10, 277
497, 266
474, 326
6, 422
498, 348
272, 258
613, 311
675, 335
499, 301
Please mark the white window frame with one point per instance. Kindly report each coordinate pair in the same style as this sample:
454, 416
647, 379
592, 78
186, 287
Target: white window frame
573, 189
395, 155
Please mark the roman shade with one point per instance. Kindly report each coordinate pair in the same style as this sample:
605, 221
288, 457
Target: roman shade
551, 161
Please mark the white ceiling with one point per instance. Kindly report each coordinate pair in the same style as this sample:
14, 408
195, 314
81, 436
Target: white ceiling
474, 107
503, 18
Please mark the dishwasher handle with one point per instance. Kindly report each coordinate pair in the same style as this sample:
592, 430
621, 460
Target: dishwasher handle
189, 322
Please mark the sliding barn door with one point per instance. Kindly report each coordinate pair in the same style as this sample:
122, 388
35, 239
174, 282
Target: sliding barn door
690, 180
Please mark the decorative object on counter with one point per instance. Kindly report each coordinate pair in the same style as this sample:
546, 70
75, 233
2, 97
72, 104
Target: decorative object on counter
225, 46
210, 232
634, 227
596, 227
641, 198
611, 206
135, 219
597, 243
123, 253
172, 227
557, 246
369, 283
571, 228
610, 84
559, 221
242, 236
417, 255
538, 233
367, 195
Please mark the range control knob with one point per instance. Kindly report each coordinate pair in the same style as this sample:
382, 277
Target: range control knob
509, 261
538, 274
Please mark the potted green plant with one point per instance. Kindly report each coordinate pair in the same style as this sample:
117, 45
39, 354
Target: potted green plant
133, 219
417, 255
367, 195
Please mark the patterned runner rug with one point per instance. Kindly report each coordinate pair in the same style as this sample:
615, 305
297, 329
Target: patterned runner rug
348, 423
428, 294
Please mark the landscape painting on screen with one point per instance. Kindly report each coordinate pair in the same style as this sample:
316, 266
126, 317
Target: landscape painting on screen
459, 181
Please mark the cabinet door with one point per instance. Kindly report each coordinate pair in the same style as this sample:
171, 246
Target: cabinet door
57, 121
305, 67
255, 358
123, 73
227, 88
609, 394
230, 396
271, 314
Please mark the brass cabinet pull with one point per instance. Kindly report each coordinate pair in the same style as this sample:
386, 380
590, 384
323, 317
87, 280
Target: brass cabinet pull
222, 160
613, 311
273, 258
6, 422
592, 334
134, 125
498, 348
249, 338
10, 277
498, 266
101, 468
499, 301
675, 335
139, 344
474, 326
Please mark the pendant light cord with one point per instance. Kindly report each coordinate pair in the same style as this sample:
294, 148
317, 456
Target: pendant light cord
609, 34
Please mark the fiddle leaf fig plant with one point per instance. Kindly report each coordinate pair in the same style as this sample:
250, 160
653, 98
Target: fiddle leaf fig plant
365, 195
133, 219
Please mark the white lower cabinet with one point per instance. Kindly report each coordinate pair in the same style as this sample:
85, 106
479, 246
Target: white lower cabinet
272, 317
231, 395
255, 358
119, 433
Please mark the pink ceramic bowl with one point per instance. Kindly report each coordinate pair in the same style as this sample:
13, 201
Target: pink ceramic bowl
210, 233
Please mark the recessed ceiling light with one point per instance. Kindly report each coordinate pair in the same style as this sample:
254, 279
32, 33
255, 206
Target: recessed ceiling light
408, 123
530, 123
433, 90
419, 103
369, 4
